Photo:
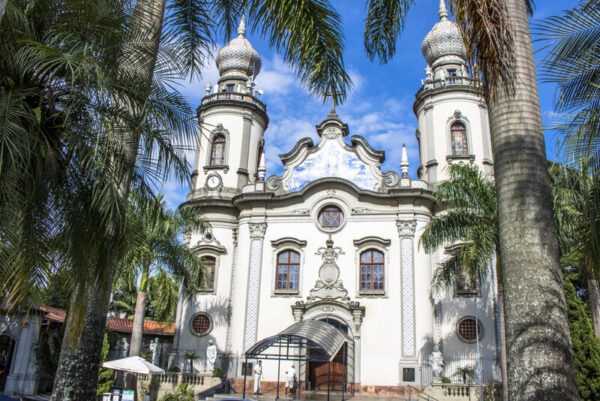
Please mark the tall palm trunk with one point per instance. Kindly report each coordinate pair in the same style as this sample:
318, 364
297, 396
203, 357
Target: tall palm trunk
137, 333
79, 363
594, 300
77, 374
539, 356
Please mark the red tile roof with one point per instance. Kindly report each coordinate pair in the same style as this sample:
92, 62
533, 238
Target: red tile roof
115, 323
150, 326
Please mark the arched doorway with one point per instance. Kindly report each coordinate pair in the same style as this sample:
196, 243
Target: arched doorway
319, 373
7, 345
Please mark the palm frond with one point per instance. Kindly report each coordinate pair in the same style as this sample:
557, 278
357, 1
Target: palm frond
384, 24
309, 36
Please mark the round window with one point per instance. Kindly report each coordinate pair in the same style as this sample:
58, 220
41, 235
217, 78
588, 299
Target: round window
201, 324
331, 218
467, 329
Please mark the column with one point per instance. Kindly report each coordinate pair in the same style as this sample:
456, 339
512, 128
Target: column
257, 235
406, 230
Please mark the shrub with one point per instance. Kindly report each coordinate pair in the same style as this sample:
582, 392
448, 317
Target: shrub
586, 346
183, 393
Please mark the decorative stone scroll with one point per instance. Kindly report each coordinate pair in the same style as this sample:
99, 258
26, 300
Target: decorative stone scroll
257, 234
406, 231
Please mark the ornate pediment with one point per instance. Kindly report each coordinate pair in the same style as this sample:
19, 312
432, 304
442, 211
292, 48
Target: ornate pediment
333, 157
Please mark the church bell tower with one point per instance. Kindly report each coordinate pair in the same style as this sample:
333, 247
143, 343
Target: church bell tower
452, 115
232, 124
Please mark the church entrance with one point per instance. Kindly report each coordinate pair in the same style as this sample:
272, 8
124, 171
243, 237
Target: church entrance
319, 373
7, 345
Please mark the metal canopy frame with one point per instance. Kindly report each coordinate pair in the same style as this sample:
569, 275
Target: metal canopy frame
306, 340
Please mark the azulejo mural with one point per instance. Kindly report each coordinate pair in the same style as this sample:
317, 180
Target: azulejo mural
332, 161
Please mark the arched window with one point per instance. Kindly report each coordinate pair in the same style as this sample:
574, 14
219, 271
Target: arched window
217, 153
458, 135
371, 270
288, 271
208, 273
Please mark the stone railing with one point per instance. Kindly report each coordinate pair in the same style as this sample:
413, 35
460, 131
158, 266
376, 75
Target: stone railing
458, 390
235, 96
449, 82
160, 385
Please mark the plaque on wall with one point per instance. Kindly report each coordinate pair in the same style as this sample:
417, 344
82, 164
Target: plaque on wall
408, 374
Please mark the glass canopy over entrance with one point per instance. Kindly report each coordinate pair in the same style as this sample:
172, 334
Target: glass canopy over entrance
308, 341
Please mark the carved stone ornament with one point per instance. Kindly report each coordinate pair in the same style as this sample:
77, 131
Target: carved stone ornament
329, 286
301, 211
406, 228
257, 230
331, 193
361, 210
332, 133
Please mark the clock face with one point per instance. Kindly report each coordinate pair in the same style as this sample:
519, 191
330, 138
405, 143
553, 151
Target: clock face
213, 181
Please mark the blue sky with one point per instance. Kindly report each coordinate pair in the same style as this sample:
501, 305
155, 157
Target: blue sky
380, 105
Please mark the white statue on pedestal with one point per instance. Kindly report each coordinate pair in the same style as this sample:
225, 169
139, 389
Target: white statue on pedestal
155, 347
124, 348
437, 363
211, 356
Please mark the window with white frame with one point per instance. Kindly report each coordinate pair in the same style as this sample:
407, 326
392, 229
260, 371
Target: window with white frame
458, 137
217, 152
372, 271
208, 273
288, 271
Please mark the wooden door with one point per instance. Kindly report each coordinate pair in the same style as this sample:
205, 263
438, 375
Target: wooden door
319, 373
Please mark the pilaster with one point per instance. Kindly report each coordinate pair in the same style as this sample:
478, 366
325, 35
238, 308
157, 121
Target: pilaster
257, 235
406, 231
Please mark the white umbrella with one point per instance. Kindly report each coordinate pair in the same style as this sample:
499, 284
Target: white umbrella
133, 364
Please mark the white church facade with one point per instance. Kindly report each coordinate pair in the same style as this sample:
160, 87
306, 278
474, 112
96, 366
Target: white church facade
335, 238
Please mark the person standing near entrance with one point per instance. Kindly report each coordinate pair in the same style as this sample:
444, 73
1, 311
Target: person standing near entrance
258, 375
290, 379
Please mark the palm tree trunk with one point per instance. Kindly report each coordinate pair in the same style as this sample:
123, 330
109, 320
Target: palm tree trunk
539, 356
594, 300
138, 324
137, 332
77, 375
79, 363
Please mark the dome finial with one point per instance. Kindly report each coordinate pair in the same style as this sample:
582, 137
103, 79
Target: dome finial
443, 12
242, 27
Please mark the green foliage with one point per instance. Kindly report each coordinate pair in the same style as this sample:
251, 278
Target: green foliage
183, 393
573, 64
586, 346
469, 222
218, 373
446, 380
174, 369
105, 377
465, 373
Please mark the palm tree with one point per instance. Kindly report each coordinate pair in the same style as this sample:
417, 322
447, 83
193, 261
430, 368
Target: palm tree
63, 105
573, 64
498, 43
466, 372
308, 34
469, 223
153, 247
576, 214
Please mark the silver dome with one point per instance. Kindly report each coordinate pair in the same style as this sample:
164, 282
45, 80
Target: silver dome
443, 40
238, 56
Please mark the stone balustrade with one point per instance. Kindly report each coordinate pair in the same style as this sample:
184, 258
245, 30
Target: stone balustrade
160, 385
234, 96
